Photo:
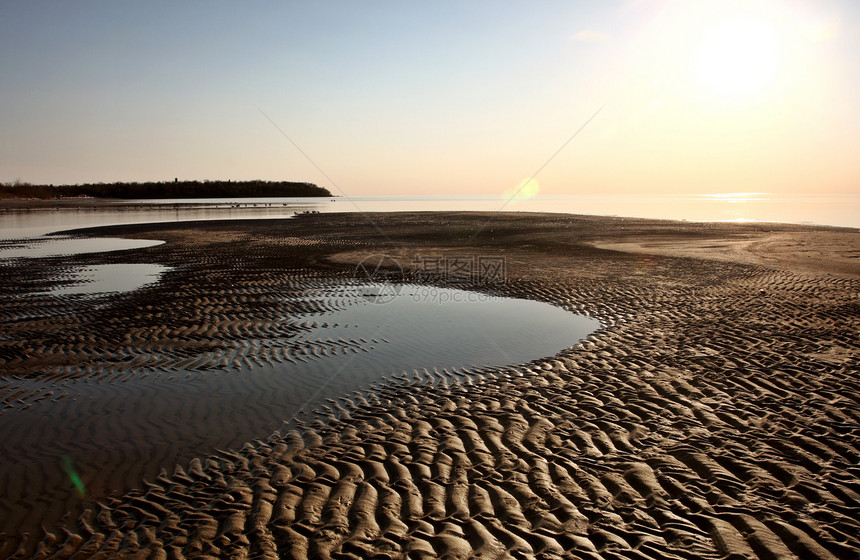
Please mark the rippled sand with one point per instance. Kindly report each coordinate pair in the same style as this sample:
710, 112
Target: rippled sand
715, 414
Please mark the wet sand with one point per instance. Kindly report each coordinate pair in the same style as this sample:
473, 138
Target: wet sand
716, 414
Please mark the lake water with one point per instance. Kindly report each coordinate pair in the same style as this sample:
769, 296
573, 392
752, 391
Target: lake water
429, 327
834, 210
59, 246
22, 224
134, 421
837, 210
108, 279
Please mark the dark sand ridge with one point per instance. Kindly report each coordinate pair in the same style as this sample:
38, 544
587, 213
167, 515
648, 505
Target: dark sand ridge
706, 419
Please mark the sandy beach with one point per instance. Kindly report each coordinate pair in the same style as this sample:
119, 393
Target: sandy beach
715, 413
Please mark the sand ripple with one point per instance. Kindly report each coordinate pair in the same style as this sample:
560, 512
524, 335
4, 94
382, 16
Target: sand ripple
715, 416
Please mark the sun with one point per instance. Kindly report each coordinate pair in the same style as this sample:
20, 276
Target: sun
737, 58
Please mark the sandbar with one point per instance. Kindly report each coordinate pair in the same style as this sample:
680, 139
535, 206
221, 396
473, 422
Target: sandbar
715, 414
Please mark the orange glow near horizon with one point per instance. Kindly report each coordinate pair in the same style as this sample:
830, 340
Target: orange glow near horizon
716, 96
724, 97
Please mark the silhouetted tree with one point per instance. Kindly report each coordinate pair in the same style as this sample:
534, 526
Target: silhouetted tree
166, 189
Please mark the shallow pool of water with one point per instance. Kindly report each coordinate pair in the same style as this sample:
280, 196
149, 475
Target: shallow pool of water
422, 326
61, 246
107, 279
125, 413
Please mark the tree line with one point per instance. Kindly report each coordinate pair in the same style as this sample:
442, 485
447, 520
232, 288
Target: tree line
164, 189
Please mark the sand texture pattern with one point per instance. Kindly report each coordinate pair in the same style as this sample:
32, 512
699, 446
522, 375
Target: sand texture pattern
716, 413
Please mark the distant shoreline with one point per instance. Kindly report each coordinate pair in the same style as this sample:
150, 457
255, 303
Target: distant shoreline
93, 202
162, 189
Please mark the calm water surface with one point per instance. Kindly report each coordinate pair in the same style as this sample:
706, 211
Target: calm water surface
108, 279
60, 246
20, 224
128, 426
843, 210
428, 327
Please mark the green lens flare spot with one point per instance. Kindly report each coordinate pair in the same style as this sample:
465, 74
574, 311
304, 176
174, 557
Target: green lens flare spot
73, 476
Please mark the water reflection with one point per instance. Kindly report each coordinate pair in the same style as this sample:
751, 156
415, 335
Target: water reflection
127, 412
427, 327
16, 223
837, 210
107, 279
62, 246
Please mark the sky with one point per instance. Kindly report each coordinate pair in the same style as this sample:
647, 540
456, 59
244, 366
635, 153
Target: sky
436, 98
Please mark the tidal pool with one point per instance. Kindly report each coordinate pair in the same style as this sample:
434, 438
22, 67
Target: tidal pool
106, 279
122, 416
419, 326
60, 246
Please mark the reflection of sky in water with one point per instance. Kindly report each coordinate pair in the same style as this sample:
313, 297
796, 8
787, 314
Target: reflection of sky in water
415, 326
111, 278
55, 247
20, 224
838, 210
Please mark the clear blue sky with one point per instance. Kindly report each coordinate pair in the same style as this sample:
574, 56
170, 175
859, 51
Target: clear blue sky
436, 98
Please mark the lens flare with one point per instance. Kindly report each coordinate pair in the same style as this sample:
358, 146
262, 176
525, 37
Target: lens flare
527, 189
73, 476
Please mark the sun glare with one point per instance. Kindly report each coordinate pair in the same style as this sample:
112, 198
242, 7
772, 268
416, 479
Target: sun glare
738, 58
528, 188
